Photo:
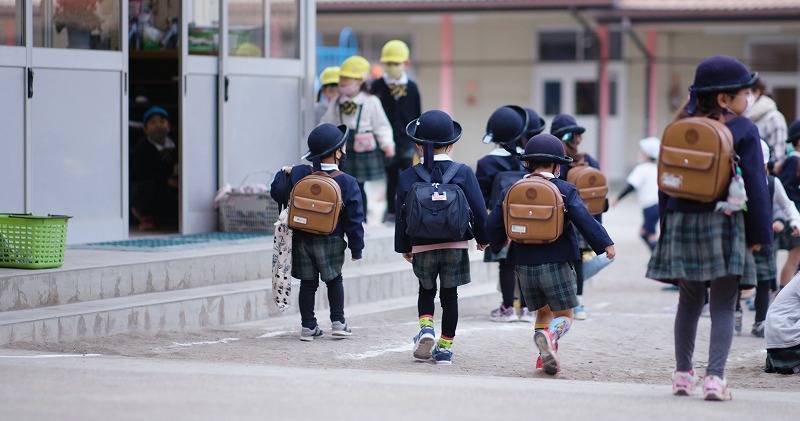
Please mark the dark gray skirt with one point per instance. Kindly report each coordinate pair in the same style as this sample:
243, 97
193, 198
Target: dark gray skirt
701, 247
364, 166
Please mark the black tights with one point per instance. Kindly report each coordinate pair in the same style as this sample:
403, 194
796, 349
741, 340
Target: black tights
449, 301
307, 296
579, 275
508, 283
762, 300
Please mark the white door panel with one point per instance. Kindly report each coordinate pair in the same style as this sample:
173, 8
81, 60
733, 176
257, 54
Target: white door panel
76, 155
12, 133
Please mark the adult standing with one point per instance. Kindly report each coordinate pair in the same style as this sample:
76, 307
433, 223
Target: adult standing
770, 122
401, 101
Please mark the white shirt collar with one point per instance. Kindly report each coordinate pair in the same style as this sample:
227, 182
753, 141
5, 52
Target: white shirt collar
438, 157
168, 144
499, 152
360, 98
546, 175
328, 167
402, 81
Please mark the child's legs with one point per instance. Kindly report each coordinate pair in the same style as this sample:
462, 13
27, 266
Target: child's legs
690, 305
790, 267
762, 300
544, 316
448, 298
305, 301
425, 306
336, 298
507, 283
648, 231
578, 264
723, 301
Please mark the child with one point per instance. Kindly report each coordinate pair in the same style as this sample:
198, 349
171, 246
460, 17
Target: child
783, 331
545, 271
401, 102
567, 129
370, 132
316, 257
507, 127
329, 78
644, 179
699, 246
783, 210
435, 133
790, 178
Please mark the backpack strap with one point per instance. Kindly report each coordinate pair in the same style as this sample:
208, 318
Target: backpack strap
451, 172
422, 173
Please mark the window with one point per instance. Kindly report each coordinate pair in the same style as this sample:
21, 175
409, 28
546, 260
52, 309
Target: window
552, 97
284, 28
11, 22
576, 46
587, 97
774, 57
78, 24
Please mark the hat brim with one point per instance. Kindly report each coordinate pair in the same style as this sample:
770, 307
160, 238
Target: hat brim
489, 137
568, 129
345, 131
411, 131
546, 157
534, 132
749, 83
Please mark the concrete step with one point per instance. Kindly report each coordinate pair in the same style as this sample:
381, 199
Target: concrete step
200, 307
89, 275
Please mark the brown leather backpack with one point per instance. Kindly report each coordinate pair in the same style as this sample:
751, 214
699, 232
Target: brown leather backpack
315, 203
695, 159
533, 211
592, 186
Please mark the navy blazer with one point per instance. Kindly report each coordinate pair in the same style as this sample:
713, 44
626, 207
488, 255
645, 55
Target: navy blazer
565, 248
488, 168
758, 217
352, 215
465, 179
400, 112
789, 179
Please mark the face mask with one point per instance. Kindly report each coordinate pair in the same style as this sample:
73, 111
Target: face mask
349, 90
751, 100
342, 161
394, 71
157, 136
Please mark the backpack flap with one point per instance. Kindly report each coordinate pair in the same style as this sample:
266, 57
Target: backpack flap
437, 211
687, 159
535, 212
311, 205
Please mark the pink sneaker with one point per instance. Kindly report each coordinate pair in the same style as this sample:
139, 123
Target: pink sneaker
683, 382
715, 389
539, 362
547, 350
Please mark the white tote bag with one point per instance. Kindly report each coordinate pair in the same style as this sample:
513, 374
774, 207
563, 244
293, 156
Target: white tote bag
282, 262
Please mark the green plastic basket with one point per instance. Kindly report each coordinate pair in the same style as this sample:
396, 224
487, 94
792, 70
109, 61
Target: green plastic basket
32, 242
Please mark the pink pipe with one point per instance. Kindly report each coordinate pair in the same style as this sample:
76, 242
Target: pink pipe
602, 35
652, 106
446, 69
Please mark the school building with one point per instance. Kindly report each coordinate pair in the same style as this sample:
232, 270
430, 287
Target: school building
237, 77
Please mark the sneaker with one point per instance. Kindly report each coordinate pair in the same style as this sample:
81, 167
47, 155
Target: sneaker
547, 350
309, 334
504, 315
526, 315
442, 355
539, 362
751, 303
580, 313
737, 321
715, 389
423, 343
683, 382
340, 329
758, 329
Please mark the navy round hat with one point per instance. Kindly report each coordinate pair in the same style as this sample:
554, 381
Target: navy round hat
722, 73
324, 140
535, 123
563, 124
154, 111
436, 127
794, 132
545, 148
506, 124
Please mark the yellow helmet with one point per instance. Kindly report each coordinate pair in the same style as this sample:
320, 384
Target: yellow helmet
329, 76
394, 51
354, 67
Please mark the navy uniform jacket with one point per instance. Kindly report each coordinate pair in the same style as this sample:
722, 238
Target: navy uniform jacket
758, 217
488, 168
465, 179
400, 112
565, 248
788, 176
352, 215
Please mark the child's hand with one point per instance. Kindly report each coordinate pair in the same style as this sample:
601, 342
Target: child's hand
354, 259
482, 247
795, 232
287, 170
388, 150
408, 256
614, 202
777, 226
610, 253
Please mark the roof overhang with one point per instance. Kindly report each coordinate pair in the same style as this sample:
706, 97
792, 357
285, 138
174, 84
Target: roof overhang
421, 6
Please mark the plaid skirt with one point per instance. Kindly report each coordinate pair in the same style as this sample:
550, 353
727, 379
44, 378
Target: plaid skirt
364, 166
702, 247
766, 267
316, 257
786, 241
450, 265
553, 284
488, 256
